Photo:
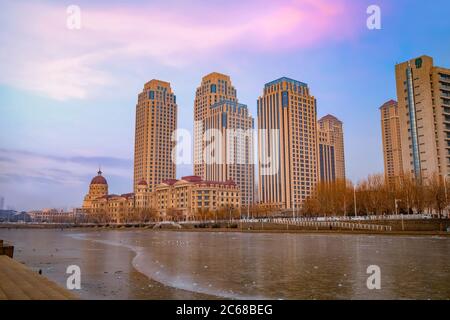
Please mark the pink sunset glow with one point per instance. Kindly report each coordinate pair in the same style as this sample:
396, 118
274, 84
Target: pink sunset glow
68, 63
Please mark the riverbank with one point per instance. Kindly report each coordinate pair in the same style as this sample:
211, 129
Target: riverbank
318, 232
432, 227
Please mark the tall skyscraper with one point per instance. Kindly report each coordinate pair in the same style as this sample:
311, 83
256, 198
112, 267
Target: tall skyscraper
156, 120
213, 88
2, 203
392, 147
287, 142
234, 155
423, 93
331, 149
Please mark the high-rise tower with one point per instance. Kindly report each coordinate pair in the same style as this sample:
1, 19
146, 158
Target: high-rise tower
156, 120
287, 143
214, 87
423, 94
392, 147
231, 124
331, 149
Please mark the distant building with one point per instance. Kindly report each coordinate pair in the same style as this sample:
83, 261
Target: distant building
2, 203
187, 197
330, 149
156, 121
14, 216
287, 139
51, 216
7, 215
392, 147
423, 95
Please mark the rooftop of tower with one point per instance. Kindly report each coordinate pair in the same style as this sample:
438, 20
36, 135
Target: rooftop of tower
389, 103
155, 83
286, 79
329, 117
233, 104
216, 75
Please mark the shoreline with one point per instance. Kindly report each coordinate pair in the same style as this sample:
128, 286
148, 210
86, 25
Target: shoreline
322, 232
271, 230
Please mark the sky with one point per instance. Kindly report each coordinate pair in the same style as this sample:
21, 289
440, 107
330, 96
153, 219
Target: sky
68, 95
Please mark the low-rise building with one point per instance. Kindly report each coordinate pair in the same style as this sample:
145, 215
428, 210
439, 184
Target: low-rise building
100, 206
185, 199
53, 216
173, 199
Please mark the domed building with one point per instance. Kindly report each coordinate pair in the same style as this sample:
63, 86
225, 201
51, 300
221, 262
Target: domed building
98, 188
105, 207
183, 199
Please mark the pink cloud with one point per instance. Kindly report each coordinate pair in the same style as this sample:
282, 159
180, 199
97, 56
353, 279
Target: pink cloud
42, 55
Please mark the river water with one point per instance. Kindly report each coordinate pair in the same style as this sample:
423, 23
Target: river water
147, 264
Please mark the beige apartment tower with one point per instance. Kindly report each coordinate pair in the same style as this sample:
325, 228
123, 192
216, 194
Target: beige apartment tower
423, 93
233, 152
331, 157
156, 120
287, 143
392, 148
213, 88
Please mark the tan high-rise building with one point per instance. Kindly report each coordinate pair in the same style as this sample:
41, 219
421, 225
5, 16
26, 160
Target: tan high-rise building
233, 155
423, 93
213, 88
156, 120
287, 143
392, 148
331, 157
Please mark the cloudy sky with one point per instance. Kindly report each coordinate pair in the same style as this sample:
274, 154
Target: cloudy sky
68, 96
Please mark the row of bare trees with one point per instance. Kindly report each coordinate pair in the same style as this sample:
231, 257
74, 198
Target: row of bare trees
152, 215
123, 216
375, 196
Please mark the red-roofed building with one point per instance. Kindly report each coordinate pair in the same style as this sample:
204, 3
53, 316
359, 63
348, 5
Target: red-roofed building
184, 199
176, 199
100, 206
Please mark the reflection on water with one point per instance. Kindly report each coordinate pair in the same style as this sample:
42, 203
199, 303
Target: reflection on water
286, 266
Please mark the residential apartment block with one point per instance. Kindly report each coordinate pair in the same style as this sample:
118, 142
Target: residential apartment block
392, 147
156, 120
229, 127
287, 143
331, 157
423, 94
214, 87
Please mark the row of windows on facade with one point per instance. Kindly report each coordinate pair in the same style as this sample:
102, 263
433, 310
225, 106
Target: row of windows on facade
161, 95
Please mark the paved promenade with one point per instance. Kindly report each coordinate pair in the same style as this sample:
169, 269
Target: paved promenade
17, 282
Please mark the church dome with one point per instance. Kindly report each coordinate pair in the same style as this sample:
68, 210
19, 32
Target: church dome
99, 179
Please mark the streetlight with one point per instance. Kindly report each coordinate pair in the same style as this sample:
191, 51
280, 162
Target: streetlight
445, 188
396, 213
354, 198
293, 209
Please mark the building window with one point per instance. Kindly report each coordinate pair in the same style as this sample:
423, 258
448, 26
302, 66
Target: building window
284, 99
